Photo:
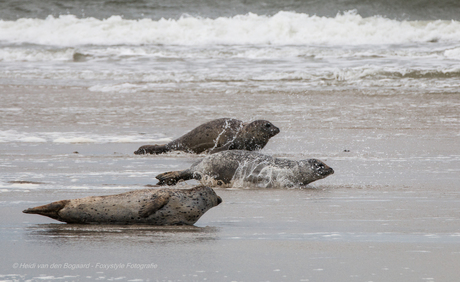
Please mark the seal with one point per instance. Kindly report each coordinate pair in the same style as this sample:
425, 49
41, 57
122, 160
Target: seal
147, 206
233, 168
218, 135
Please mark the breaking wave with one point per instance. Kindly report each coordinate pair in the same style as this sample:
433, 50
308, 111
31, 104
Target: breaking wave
283, 28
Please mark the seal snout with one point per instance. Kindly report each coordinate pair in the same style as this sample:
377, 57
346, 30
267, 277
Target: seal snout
321, 168
209, 191
272, 129
275, 130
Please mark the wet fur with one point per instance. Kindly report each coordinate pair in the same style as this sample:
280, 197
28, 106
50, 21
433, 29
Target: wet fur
227, 167
218, 135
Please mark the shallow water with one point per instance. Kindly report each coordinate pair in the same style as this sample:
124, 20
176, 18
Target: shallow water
270, 235
388, 212
373, 93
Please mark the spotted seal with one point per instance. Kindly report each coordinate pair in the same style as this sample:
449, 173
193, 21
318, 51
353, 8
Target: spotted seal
226, 168
147, 206
218, 135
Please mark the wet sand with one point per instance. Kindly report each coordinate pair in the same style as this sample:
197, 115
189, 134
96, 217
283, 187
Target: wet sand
318, 234
391, 211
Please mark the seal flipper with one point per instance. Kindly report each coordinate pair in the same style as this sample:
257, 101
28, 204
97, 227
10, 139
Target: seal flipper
228, 146
151, 149
156, 203
49, 210
172, 177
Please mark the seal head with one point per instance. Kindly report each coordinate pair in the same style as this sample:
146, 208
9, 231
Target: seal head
318, 168
253, 136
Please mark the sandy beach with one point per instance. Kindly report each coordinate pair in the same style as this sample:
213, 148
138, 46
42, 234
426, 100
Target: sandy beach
320, 234
371, 88
389, 213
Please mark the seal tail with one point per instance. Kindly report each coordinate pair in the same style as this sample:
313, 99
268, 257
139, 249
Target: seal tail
49, 210
172, 177
151, 149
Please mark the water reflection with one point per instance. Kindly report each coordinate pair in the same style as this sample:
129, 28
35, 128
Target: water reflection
125, 234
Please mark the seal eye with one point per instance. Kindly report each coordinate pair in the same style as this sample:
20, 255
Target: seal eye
319, 166
267, 125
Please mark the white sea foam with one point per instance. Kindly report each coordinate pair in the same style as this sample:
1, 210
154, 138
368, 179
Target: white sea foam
283, 28
363, 76
75, 137
453, 53
287, 49
255, 174
178, 53
19, 54
122, 88
249, 175
74, 140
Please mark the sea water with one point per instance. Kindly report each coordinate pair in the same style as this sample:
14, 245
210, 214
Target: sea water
274, 49
368, 87
121, 54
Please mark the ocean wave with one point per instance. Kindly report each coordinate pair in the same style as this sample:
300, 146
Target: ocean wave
445, 77
392, 73
453, 53
368, 76
179, 54
10, 54
283, 28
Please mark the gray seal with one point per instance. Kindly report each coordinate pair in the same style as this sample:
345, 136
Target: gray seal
240, 167
218, 135
147, 206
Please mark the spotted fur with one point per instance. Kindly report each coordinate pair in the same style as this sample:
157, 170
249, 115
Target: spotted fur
148, 206
230, 167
